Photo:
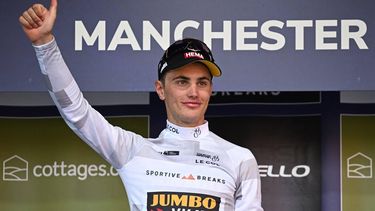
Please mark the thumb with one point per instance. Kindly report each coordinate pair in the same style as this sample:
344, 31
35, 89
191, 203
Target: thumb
53, 7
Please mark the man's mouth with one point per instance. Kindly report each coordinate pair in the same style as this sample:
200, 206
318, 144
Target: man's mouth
192, 104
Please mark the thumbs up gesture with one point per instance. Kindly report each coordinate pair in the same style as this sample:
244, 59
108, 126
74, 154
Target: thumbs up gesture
37, 22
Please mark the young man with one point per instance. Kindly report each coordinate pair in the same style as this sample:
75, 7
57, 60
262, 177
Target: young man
187, 167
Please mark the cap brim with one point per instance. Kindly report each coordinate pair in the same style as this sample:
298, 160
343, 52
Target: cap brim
214, 69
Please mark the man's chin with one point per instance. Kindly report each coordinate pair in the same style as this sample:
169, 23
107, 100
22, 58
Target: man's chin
192, 121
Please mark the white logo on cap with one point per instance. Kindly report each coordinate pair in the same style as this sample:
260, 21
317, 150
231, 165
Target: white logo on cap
192, 49
193, 55
163, 67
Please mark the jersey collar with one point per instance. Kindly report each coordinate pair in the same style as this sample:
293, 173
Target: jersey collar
192, 133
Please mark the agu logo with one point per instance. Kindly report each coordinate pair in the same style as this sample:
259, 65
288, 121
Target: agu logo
15, 168
177, 201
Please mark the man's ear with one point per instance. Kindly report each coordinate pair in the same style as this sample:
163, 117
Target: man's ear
159, 88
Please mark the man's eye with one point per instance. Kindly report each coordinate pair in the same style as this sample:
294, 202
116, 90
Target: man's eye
181, 82
202, 83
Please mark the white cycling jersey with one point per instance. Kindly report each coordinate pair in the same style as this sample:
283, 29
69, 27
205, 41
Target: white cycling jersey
184, 169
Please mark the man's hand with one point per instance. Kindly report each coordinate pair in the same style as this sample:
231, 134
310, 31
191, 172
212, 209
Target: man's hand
37, 22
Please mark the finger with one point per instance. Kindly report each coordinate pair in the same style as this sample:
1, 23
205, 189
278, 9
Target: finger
53, 6
39, 10
29, 19
34, 16
25, 23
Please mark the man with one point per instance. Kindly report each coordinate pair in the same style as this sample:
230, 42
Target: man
187, 167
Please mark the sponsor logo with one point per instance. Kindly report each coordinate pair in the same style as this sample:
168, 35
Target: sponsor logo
17, 169
197, 132
297, 171
179, 201
189, 177
214, 158
163, 174
359, 166
189, 55
163, 67
210, 179
192, 49
231, 94
178, 175
271, 97
204, 178
170, 153
172, 129
209, 159
207, 162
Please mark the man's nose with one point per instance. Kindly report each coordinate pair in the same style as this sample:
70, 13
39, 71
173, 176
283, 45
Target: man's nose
193, 91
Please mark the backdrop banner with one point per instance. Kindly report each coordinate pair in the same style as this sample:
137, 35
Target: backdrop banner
260, 45
45, 166
288, 154
357, 168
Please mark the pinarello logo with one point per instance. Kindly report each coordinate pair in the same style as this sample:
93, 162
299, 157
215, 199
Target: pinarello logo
168, 201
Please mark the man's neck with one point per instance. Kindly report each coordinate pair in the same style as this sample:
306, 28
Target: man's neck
188, 132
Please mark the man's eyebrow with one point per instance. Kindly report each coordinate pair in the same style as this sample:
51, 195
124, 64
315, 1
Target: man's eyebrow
204, 78
181, 77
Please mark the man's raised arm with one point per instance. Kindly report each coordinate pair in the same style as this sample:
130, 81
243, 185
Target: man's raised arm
109, 141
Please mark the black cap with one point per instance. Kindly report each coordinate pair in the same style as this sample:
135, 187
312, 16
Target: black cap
184, 52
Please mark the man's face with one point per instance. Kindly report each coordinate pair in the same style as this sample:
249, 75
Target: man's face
186, 92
